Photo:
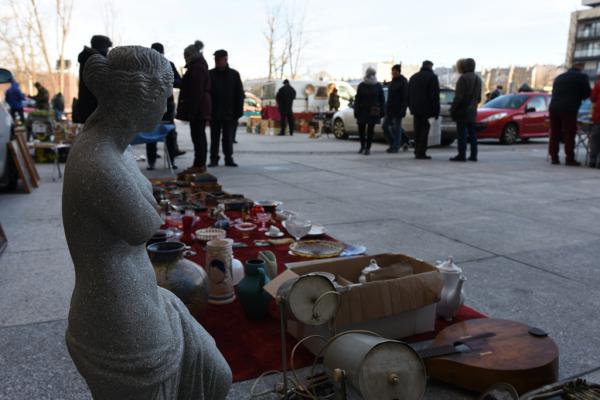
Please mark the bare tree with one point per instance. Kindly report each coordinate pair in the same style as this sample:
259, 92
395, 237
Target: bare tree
271, 38
285, 40
64, 10
41, 37
109, 18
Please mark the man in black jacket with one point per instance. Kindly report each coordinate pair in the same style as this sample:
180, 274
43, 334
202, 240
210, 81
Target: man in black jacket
424, 103
285, 101
86, 101
464, 109
227, 107
569, 90
396, 110
171, 138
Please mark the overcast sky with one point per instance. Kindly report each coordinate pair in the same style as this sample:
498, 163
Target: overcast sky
342, 34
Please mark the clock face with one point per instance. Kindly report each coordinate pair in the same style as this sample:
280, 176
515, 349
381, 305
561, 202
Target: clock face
216, 271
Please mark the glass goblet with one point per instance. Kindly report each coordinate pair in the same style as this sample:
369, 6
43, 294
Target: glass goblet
263, 218
298, 227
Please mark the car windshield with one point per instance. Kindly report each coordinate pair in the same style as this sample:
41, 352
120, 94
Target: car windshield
512, 101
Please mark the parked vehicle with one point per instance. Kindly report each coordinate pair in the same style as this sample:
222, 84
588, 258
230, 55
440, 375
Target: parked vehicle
8, 174
515, 116
344, 123
311, 96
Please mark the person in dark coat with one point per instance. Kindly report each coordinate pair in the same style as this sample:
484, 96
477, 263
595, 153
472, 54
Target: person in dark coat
42, 98
395, 110
285, 101
424, 103
194, 103
58, 105
227, 107
568, 91
86, 101
496, 93
334, 100
168, 117
464, 109
369, 106
15, 97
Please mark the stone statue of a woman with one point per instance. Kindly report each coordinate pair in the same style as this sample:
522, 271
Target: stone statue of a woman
129, 338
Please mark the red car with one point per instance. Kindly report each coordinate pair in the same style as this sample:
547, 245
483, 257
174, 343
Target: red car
514, 116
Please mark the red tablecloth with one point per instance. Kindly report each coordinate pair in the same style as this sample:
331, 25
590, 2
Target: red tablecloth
253, 347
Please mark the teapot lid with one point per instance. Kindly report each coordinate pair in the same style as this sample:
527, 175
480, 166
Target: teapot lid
448, 266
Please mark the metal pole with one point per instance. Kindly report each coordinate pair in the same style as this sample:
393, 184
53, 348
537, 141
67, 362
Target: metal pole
281, 303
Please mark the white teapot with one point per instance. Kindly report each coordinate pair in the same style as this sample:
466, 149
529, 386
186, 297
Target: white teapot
452, 296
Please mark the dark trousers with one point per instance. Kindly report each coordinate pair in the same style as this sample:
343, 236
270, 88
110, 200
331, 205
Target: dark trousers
14, 112
198, 131
595, 145
366, 140
151, 148
562, 125
222, 131
289, 119
466, 131
421, 127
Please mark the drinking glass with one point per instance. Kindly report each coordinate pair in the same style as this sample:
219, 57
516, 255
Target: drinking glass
263, 218
298, 227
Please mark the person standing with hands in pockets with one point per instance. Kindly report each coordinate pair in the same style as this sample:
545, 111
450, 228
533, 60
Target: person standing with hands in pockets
424, 103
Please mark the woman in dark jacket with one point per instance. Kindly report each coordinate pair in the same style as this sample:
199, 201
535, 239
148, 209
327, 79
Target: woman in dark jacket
369, 106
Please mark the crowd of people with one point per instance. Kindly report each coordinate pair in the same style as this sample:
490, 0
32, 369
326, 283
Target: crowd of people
421, 95
213, 98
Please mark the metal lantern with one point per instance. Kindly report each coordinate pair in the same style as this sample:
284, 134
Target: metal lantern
377, 368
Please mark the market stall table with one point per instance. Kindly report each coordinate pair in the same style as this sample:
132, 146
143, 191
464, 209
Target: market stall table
253, 347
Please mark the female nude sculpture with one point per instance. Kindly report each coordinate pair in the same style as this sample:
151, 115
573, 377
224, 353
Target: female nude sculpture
128, 338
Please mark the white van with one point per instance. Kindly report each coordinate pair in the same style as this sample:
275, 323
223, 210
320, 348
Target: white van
311, 96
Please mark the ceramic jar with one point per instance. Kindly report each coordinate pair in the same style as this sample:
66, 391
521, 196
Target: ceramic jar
186, 279
255, 301
219, 257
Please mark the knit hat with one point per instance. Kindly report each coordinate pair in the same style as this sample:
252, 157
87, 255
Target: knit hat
100, 42
370, 72
158, 47
199, 45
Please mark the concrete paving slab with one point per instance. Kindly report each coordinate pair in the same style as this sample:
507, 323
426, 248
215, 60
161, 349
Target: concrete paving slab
35, 364
503, 233
567, 310
578, 261
389, 235
327, 210
35, 286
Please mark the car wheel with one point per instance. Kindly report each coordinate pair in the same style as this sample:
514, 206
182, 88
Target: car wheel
510, 134
339, 131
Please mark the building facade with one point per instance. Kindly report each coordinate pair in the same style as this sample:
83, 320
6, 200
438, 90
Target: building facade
584, 38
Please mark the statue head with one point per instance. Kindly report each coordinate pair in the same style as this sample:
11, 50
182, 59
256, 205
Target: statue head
132, 83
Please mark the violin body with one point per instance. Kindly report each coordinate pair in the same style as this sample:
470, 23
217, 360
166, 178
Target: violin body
511, 354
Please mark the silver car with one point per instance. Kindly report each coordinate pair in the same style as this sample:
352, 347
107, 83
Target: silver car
8, 173
344, 124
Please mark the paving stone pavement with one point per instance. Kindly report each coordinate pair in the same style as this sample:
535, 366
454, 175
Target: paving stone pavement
526, 233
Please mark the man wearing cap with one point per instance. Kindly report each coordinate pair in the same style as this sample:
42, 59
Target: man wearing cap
86, 101
227, 94
424, 103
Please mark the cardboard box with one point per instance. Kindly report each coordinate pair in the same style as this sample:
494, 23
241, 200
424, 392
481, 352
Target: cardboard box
393, 308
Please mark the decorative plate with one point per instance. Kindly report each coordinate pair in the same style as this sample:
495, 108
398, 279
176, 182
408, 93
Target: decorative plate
207, 234
317, 248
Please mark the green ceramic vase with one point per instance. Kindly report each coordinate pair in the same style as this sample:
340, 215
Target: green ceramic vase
255, 301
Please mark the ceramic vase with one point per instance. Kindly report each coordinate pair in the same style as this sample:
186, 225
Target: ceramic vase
219, 256
186, 279
255, 301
